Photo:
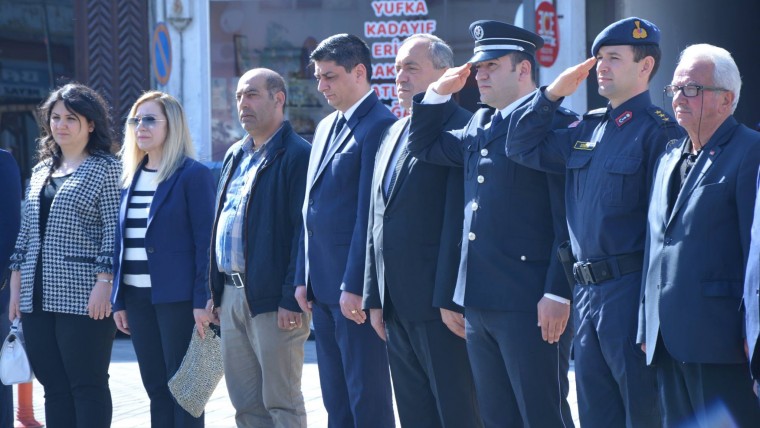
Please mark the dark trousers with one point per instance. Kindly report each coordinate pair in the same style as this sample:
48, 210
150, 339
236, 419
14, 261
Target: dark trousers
615, 386
521, 380
353, 371
431, 375
705, 395
70, 355
161, 334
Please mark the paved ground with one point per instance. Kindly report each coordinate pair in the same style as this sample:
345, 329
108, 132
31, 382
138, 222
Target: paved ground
131, 403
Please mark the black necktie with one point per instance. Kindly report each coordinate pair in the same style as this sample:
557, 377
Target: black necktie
338, 127
495, 120
397, 169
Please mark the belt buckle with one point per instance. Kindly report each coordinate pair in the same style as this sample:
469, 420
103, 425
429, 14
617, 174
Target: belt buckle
583, 271
237, 279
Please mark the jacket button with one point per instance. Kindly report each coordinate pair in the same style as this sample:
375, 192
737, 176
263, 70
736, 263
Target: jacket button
484, 152
471, 236
474, 206
481, 179
149, 249
523, 258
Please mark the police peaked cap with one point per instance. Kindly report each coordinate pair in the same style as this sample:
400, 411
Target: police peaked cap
494, 39
630, 31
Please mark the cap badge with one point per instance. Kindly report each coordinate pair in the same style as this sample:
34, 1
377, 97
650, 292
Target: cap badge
477, 32
638, 32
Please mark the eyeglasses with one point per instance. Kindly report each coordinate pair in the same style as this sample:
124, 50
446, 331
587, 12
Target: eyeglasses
689, 90
147, 121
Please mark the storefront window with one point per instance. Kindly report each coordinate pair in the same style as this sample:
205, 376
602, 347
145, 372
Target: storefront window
280, 34
36, 54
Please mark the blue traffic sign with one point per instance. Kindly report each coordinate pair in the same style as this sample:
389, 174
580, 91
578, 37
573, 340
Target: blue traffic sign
161, 53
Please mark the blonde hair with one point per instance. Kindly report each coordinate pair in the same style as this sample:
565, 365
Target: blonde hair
177, 146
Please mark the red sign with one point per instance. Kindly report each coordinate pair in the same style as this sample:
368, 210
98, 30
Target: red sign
546, 27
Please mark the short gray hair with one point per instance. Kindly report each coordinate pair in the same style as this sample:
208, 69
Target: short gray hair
725, 74
440, 53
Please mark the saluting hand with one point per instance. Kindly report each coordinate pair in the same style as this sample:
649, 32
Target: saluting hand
567, 82
452, 81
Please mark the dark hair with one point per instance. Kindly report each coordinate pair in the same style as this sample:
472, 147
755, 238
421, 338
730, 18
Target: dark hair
82, 100
518, 57
346, 50
274, 84
642, 51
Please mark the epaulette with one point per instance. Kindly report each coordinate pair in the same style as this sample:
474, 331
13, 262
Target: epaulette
567, 112
659, 116
599, 112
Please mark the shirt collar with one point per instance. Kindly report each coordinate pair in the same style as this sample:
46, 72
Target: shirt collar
248, 143
353, 108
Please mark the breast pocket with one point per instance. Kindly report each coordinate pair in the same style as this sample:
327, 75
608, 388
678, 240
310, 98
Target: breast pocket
577, 166
622, 186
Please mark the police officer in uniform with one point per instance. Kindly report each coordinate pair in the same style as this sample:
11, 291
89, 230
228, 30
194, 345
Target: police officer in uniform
509, 280
609, 159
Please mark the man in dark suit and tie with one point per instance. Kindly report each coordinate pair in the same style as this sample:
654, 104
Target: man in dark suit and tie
510, 282
353, 362
700, 216
415, 223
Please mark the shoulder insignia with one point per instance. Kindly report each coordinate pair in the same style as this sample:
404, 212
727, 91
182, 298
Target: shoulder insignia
566, 112
660, 116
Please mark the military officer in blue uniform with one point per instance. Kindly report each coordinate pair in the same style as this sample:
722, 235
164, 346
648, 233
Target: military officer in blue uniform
510, 282
608, 158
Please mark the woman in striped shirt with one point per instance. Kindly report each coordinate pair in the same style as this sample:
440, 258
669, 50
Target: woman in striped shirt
161, 253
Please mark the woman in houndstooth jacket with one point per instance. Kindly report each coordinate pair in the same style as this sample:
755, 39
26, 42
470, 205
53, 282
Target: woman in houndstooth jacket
62, 263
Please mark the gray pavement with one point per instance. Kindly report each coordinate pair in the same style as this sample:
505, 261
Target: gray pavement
131, 406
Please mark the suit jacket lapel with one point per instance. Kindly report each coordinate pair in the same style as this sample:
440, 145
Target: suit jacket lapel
162, 192
695, 177
390, 166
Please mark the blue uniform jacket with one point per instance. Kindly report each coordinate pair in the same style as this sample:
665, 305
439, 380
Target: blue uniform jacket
608, 177
336, 205
696, 257
514, 217
176, 239
272, 223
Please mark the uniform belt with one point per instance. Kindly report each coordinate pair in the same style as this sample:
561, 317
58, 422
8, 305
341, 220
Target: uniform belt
603, 270
235, 279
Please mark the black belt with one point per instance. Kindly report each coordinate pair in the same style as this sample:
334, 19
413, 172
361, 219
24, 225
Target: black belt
235, 279
603, 270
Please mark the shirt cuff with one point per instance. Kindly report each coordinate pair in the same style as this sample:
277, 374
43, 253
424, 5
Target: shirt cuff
557, 298
433, 97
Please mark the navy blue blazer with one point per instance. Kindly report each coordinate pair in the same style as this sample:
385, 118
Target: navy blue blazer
177, 237
414, 233
336, 204
514, 216
752, 293
695, 256
10, 215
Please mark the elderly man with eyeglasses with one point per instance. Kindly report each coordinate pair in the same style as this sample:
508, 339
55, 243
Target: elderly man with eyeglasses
698, 244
